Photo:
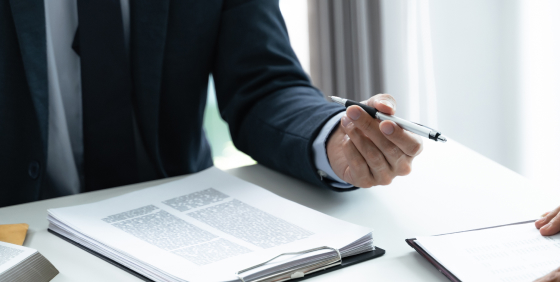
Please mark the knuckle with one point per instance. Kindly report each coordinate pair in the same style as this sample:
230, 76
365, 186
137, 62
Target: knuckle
385, 96
347, 145
555, 221
355, 162
377, 164
367, 124
373, 156
405, 169
353, 131
416, 149
350, 128
386, 179
393, 152
347, 176
368, 182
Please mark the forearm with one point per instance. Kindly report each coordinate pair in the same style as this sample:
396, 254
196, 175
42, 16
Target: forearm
273, 111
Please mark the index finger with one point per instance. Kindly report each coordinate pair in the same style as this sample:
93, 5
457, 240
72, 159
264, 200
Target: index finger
547, 217
410, 143
552, 227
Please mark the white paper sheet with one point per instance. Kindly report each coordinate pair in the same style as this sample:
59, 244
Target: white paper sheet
513, 253
204, 227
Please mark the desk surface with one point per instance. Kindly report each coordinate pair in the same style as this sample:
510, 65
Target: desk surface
451, 188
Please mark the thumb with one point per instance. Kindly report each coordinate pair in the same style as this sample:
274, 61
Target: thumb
383, 102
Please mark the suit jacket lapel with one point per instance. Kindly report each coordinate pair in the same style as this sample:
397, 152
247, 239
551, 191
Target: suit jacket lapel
29, 19
148, 21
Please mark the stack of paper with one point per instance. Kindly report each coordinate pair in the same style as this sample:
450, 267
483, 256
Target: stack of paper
207, 227
21, 264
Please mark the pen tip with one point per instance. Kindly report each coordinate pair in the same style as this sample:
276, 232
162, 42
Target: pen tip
442, 139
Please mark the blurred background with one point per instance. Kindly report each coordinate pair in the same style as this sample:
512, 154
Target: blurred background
484, 72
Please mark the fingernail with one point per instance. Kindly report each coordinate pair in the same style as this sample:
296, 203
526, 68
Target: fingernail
387, 103
387, 128
345, 121
353, 112
541, 219
346, 138
546, 226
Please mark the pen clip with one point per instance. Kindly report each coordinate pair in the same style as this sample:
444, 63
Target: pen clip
425, 126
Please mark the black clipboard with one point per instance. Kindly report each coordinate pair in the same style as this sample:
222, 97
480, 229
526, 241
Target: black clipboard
412, 242
348, 261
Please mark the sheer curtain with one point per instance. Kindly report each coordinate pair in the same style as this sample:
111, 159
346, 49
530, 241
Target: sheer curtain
345, 42
422, 98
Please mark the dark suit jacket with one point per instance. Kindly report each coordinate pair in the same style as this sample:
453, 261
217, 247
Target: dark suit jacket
272, 110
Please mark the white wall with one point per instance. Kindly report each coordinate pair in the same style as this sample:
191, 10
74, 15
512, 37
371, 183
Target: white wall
475, 60
540, 91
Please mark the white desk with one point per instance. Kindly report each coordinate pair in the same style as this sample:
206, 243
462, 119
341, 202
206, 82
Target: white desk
451, 188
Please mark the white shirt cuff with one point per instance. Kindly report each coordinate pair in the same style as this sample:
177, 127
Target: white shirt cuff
322, 164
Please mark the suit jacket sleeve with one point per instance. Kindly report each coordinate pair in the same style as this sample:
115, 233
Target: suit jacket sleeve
273, 111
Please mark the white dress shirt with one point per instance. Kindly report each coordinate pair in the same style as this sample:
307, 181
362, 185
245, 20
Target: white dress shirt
65, 147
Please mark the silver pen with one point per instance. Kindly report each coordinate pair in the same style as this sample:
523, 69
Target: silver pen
405, 124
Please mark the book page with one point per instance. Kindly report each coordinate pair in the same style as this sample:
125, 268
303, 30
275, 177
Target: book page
11, 255
509, 253
205, 227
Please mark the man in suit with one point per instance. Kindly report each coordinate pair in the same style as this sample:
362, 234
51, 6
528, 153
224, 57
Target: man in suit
101, 93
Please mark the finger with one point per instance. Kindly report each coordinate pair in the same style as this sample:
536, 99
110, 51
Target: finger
376, 161
547, 218
400, 162
541, 221
357, 173
383, 102
410, 143
369, 126
552, 227
553, 276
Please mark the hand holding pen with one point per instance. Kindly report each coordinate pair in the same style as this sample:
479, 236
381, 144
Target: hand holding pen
413, 127
366, 151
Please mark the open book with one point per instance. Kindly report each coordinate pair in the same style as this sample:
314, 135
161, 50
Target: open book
21, 264
515, 252
208, 227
